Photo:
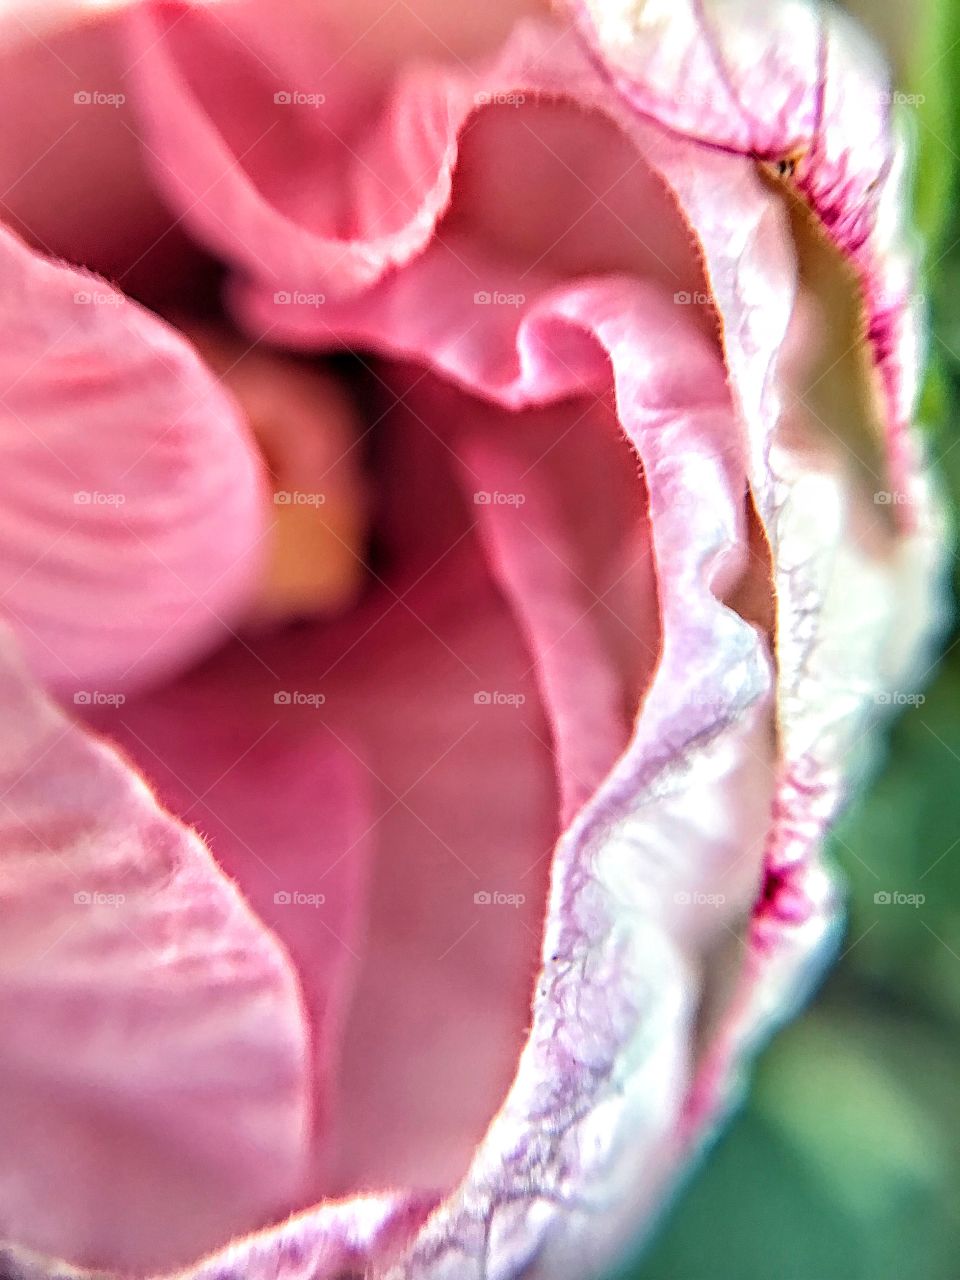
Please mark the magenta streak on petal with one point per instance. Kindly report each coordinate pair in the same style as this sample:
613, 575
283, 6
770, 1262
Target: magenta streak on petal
783, 899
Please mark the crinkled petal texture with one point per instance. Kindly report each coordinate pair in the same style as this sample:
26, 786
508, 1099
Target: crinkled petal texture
637, 608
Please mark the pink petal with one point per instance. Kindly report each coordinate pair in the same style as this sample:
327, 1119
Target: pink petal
73, 182
223, 148
549, 350
447, 797
851, 168
282, 805
633, 919
227, 155
132, 499
27, 20
671, 832
858, 602
798, 85
610, 1048
586, 593
154, 1040
742, 229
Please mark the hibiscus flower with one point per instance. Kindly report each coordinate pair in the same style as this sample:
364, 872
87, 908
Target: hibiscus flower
460, 515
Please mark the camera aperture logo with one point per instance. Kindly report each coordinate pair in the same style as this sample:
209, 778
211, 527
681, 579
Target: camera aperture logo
297, 698
297, 898
494, 898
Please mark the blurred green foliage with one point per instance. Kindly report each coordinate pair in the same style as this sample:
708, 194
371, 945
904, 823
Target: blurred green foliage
844, 1161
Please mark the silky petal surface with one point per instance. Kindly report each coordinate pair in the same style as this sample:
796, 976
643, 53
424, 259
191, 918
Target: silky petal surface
154, 1061
133, 499
633, 923
384, 755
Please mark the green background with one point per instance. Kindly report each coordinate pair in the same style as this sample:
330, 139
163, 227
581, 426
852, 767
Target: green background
844, 1161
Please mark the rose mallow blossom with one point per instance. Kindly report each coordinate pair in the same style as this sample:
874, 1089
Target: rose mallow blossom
460, 513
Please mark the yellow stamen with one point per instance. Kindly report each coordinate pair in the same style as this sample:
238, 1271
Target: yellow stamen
307, 429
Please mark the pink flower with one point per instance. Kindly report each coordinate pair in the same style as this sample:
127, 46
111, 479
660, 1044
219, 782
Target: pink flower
415, 765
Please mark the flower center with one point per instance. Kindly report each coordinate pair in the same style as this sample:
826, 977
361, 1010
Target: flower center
308, 430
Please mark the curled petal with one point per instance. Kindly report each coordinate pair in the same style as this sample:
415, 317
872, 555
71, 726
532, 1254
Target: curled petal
800, 86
